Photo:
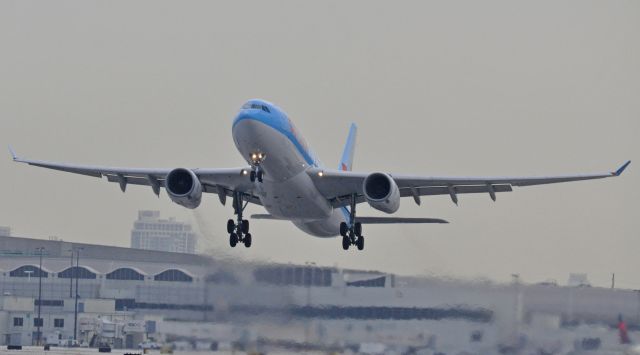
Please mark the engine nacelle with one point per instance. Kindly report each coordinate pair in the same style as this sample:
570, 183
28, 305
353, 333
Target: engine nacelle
381, 192
184, 188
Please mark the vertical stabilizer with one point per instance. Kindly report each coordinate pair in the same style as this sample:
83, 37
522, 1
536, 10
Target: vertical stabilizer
346, 162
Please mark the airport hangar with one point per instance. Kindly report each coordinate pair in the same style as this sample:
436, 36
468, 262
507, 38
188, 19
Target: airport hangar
124, 285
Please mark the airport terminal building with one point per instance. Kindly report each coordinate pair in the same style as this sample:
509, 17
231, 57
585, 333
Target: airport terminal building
127, 295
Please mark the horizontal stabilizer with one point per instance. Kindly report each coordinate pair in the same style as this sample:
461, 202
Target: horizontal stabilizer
393, 220
368, 220
267, 216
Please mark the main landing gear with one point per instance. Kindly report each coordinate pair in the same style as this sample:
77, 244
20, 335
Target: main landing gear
352, 233
238, 231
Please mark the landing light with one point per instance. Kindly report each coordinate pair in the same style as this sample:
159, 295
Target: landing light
244, 172
257, 157
320, 173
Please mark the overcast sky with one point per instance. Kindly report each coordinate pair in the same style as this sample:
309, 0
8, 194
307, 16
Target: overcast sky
437, 88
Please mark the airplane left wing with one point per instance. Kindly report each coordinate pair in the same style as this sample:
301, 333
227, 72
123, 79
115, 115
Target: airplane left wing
338, 186
220, 181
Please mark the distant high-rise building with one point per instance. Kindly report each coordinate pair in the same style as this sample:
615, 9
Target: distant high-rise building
5, 231
578, 280
152, 233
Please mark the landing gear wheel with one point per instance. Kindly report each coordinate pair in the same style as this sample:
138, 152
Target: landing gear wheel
344, 229
239, 229
231, 226
259, 175
360, 243
357, 228
345, 243
233, 240
252, 176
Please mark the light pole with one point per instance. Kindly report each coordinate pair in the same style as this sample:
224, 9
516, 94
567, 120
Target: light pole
71, 278
39, 319
75, 313
638, 315
309, 266
517, 303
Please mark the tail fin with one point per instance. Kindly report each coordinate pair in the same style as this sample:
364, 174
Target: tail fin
346, 162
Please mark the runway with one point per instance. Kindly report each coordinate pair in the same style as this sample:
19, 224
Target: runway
38, 350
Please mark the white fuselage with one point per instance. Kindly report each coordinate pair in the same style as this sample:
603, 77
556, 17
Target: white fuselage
287, 191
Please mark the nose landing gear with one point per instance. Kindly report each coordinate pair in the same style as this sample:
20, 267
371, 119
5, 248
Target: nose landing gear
238, 231
352, 233
256, 159
256, 174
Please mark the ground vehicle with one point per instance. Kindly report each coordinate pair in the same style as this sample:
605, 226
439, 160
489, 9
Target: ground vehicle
69, 343
149, 345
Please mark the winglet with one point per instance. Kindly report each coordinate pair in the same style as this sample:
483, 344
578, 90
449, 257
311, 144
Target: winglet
621, 169
13, 153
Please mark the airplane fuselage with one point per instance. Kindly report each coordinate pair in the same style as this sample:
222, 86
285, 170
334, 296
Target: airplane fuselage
287, 191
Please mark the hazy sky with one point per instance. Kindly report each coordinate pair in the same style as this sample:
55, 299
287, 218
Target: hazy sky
436, 87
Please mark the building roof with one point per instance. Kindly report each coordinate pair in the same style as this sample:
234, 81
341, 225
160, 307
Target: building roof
17, 246
100, 259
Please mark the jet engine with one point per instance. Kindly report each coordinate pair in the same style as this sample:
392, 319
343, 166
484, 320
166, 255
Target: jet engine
381, 192
184, 188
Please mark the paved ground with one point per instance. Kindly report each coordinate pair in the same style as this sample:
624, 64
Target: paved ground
33, 350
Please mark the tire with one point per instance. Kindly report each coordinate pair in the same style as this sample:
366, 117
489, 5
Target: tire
252, 176
343, 229
247, 240
245, 226
360, 243
358, 228
233, 240
231, 226
260, 174
345, 243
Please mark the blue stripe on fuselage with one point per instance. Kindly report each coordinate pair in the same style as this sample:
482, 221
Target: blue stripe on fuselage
346, 214
280, 123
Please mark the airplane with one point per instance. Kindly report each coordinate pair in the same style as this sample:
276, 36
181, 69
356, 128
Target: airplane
286, 178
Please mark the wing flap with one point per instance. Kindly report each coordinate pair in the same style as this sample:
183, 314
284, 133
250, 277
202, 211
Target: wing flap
267, 216
134, 180
96, 171
458, 189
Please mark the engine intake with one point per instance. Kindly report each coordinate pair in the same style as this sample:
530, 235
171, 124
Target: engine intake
381, 192
184, 188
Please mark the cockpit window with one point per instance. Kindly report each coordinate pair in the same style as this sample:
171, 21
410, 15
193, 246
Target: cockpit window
249, 105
